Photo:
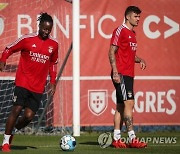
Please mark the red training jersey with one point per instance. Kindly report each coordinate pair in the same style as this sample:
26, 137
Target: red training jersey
38, 58
125, 39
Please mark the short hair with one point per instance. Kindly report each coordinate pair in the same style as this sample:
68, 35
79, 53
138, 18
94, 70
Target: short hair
44, 17
131, 9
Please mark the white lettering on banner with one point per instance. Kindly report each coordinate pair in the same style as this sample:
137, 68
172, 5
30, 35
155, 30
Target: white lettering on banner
146, 24
65, 30
155, 19
92, 25
152, 102
171, 101
92, 22
82, 17
174, 27
57, 23
100, 25
24, 25
1, 25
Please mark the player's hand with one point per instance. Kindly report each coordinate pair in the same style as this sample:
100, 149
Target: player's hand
52, 88
142, 64
2, 65
116, 77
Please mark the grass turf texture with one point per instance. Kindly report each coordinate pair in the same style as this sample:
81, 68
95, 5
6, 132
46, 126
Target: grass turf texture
87, 144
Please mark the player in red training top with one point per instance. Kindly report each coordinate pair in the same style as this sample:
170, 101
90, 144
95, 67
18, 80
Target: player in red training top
122, 57
39, 55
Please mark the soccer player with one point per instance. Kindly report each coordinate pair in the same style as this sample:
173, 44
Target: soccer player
122, 57
39, 55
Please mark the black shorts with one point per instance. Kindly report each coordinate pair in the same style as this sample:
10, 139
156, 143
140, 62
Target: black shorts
124, 89
26, 98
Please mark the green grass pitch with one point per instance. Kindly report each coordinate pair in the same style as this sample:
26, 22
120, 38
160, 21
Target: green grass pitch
87, 144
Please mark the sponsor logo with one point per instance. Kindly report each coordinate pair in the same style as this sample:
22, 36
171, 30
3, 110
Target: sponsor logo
133, 46
174, 27
37, 57
34, 45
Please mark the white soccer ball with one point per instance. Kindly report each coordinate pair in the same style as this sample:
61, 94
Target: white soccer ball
68, 143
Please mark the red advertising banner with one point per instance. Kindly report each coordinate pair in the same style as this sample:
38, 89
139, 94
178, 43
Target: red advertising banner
157, 92
156, 88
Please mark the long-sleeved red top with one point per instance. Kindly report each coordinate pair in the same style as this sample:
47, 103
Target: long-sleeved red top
38, 58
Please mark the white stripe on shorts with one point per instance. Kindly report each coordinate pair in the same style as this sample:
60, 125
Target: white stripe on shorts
123, 89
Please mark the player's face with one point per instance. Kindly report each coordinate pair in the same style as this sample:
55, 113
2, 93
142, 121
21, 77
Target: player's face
133, 19
45, 29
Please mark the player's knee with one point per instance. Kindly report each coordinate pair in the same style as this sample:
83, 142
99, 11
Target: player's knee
29, 117
129, 103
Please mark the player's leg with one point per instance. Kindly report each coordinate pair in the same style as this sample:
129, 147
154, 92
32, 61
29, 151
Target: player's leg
22, 122
16, 110
25, 119
128, 96
128, 118
118, 123
118, 118
32, 106
18, 103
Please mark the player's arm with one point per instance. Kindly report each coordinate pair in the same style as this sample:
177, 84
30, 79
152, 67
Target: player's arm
6, 53
113, 49
53, 71
141, 61
9, 50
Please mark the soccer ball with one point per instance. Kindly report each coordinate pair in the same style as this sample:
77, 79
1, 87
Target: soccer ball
67, 143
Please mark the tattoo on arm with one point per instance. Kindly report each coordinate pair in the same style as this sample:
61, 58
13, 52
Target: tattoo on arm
111, 59
128, 122
112, 52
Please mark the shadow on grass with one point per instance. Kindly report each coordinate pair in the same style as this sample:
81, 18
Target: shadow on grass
19, 147
89, 143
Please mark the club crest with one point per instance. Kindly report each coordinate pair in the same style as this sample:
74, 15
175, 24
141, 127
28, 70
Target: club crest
14, 98
50, 49
97, 101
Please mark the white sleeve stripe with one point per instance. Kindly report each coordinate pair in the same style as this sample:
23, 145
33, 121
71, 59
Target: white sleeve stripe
118, 31
21, 38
